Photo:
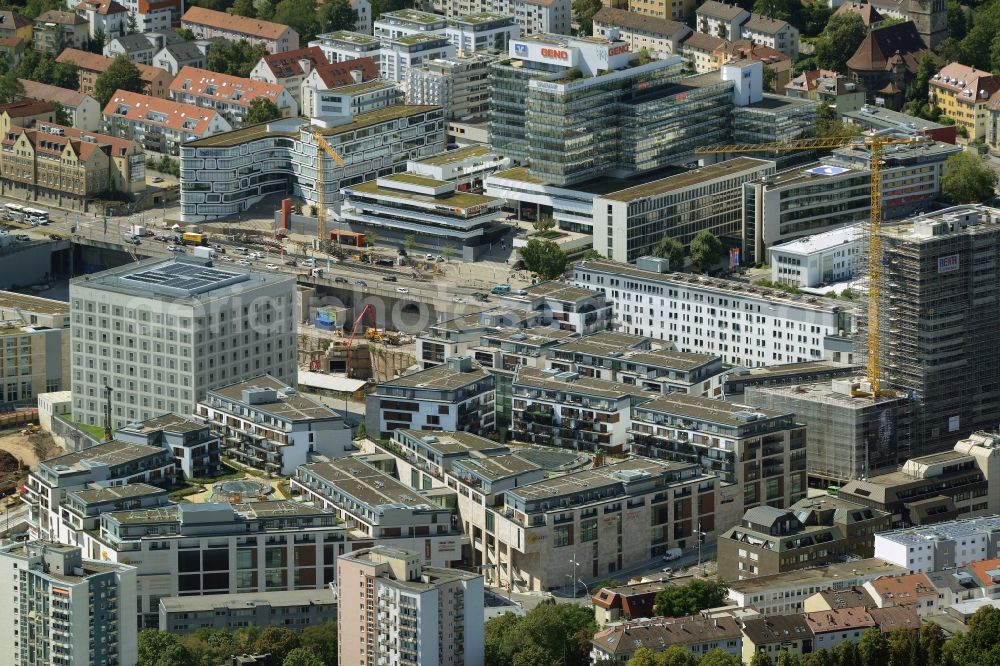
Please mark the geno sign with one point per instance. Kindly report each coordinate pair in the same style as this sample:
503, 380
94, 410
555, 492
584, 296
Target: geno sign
555, 53
618, 50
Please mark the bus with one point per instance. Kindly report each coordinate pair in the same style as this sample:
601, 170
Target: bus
35, 217
13, 211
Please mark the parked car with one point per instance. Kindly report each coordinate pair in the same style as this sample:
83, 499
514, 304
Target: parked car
402, 290
271, 267
389, 278
458, 299
361, 283
340, 280
243, 262
291, 262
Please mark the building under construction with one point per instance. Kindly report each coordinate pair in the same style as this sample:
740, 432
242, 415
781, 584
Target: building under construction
940, 322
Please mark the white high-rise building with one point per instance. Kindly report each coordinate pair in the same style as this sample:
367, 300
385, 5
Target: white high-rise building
162, 332
64, 609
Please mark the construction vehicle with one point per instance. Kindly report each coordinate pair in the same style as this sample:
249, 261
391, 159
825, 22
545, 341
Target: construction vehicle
321, 183
370, 311
192, 237
875, 144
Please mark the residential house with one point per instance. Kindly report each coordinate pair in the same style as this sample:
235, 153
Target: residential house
27, 112
12, 48
175, 57
869, 15
699, 50
832, 598
832, 627
697, 634
136, 47
334, 75
659, 36
720, 19
632, 601
208, 23
105, 18
346, 45
92, 65
775, 33
15, 36
194, 447
886, 62
155, 15
363, 16
965, 95
778, 64
55, 30
830, 88
83, 110
160, 125
773, 634
289, 69
229, 95
913, 590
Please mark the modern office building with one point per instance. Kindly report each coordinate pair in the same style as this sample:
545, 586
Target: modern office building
747, 326
266, 424
433, 211
812, 532
466, 167
758, 455
346, 45
280, 157
197, 451
208, 23
406, 22
192, 549
65, 609
400, 53
110, 463
377, 508
35, 335
951, 544
940, 342
896, 123
936, 487
830, 256
629, 223
161, 125
567, 410
738, 380
850, 436
295, 609
393, 610
457, 395
482, 32
162, 332
458, 84
635, 360
532, 16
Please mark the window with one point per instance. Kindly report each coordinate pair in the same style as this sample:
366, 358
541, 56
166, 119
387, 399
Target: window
563, 536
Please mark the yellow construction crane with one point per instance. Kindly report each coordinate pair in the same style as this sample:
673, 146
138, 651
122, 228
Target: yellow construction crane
874, 143
321, 182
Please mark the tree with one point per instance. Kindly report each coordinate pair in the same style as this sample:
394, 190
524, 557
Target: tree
301, 15
979, 646
932, 639
261, 110
544, 258
694, 597
670, 249
787, 659
719, 657
532, 655
820, 658
236, 58
957, 21
243, 8
927, 67
132, 27
643, 657
277, 641
769, 80
814, 17
975, 48
784, 10
158, 648
967, 179
904, 647
10, 88
761, 659
675, 655
122, 74
334, 15
63, 117
302, 657
548, 634
544, 223
874, 648
447, 251
96, 43
838, 42
846, 654
585, 10
186, 34
41, 66
322, 640
828, 126
706, 250
410, 243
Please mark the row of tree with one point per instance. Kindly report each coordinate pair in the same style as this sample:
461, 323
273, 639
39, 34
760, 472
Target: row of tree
315, 645
706, 251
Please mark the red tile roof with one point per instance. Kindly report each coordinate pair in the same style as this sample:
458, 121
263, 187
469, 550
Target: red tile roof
223, 87
232, 23
286, 64
95, 62
62, 18
339, 73
160, 112
102, 7
880, 47
26, 108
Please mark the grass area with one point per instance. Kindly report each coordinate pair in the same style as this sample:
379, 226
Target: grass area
93, 431
548, 234
791, 289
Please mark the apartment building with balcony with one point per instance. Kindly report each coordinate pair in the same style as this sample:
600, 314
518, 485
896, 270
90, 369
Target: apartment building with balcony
160, 125
156, 81
295, 609
347, 45
34, 346
457, 395
219, 548
759, 455
562, 306
229, 95
268, 425
82, 510
208, 23
567, 410
378, 509
637, 360
392, 610
189, 440
427, 457
109, 464
54, 27
65, 609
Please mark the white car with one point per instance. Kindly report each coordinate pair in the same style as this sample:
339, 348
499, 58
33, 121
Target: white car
429, 257
271, 267
309, 263
243, 262
458, 299
402, 290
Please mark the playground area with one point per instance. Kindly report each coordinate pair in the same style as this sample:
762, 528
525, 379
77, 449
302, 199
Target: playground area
239, 490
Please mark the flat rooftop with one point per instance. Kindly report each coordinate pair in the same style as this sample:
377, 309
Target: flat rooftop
115, 493
529, 337
453, 443
593, 479
412, 16
496, 468
790, 369
451, 200
947, 530
439, 378
367, 485
776, 103
242, 135
824, 576
291, 406
247, 600
349, 37
110, 453
712, 411
480, 17
454, 156
822, 392
681, 181
556, 291
32, 304
889, 119
177, 279
813, 172
620, 346
571, 382
169, 422
420, 38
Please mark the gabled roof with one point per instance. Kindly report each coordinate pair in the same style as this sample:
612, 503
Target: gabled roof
765, 24
745, 49
338, 74
776, 629
960, 79
49, 93
102, 7
661, 632
233, 23
84, 143
813, 78
12, 20
183, 51
286, 64
703, 42
636, 21
26, 108
95, 62
133, 42
223, 87
720, 10
160, 112
881, 46
865, 10
908, 589
62, 18
839, 619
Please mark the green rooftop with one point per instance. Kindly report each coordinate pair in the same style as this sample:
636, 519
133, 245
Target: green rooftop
237, 137
350, 37
519, 173
456, 155
454, 199
358, 88
687, 179
414, 179
385, 115
413, 16
420, 38
479, 17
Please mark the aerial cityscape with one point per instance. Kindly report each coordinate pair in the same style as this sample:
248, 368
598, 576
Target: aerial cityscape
500, 332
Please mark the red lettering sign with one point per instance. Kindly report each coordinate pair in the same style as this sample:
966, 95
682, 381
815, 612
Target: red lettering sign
555, 53
617, 50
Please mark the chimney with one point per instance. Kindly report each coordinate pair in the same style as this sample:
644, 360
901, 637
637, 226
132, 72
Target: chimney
306, 65
358, 75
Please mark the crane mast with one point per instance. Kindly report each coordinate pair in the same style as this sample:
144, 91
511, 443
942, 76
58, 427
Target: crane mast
322, 143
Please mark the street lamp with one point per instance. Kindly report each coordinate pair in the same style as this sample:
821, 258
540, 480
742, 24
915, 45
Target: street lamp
701, 539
